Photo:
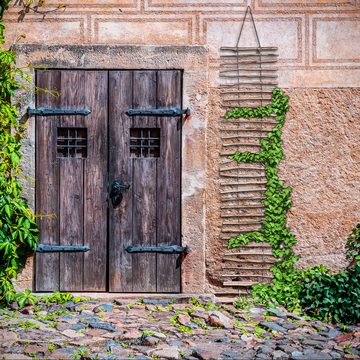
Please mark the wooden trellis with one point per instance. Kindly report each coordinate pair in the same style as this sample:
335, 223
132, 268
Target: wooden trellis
248, 75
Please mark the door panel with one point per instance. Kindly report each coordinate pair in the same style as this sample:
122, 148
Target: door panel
71, 184
47, 184
168, 182
74, 179
120, 167
152, 203
144, 186
96, 179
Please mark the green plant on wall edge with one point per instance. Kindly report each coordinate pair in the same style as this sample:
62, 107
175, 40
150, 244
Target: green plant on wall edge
314, 289
18, 230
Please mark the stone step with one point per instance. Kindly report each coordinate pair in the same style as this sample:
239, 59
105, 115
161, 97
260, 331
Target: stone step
240, 283
252, 261
248, 275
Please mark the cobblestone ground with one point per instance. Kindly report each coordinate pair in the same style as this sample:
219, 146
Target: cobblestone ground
159, 329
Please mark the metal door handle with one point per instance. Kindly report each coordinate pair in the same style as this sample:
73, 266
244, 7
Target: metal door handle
116, 192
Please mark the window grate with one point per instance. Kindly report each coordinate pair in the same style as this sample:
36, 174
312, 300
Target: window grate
145, 142
71, 142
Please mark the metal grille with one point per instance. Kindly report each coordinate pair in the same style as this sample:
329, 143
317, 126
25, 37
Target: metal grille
145, 142
71, 142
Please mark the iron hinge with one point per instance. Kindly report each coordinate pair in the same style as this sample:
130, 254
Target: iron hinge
51, 112
169, 249
43, 248
158, 112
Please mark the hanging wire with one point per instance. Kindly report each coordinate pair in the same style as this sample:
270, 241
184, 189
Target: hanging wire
248, 10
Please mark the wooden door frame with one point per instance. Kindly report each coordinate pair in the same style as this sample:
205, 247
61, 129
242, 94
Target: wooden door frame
193, 60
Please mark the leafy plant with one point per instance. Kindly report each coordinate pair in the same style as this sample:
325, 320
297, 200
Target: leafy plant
284, 288
18, 230
52, 315
182, 328
200, 323
26, 298
207, 306
61, 298
27, 324
148, 333
333, 297
353, 246
243, 302
82, 352
51, 347
258, 331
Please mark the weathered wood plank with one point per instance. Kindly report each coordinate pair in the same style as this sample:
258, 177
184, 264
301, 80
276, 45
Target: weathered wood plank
95, 182
168, 182
71, 222
144, 187
71, 174
47, 195
120, 167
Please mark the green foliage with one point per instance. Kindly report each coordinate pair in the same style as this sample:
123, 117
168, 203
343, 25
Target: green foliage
353, 246
61, 298
174, 320
199, 323
51, 347
148, 333
82, 352
243, 302
26, 298
18, 230
207, 306
314, 290
27, 324
4, 5
333, 297
274, 231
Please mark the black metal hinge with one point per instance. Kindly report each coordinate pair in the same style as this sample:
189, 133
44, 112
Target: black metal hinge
158, 112
50, 112
171, 249
42, 248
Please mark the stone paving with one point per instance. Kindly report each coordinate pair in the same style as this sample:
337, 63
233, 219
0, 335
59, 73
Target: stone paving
160, 329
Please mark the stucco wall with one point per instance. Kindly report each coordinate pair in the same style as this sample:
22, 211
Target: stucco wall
319, 66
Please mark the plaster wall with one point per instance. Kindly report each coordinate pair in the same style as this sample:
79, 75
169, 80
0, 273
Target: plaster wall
319, 67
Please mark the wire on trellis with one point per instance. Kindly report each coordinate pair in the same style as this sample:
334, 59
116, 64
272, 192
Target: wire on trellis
251, 68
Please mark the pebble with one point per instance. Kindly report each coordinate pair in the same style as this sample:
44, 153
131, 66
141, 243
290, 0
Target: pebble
277, 313
149, 340
103, 308
72, 334
218, 319
279, 355
169, 352
131, 335
157, 302
77, 326
102, 325
273, 326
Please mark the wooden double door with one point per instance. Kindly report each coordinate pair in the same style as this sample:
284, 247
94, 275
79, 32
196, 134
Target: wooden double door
107, 181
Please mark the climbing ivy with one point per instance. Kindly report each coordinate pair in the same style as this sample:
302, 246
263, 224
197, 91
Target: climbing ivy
18, 230
284, 288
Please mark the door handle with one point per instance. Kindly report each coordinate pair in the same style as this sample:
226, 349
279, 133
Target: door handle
116, 192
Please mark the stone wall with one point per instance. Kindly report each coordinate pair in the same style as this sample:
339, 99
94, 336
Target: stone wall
319, 66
